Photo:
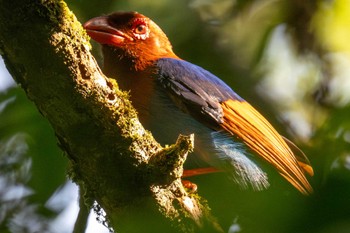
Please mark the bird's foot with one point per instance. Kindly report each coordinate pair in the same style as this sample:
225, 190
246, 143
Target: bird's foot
191, 187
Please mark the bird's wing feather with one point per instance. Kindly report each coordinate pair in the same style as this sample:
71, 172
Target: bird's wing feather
195, 90
210, 101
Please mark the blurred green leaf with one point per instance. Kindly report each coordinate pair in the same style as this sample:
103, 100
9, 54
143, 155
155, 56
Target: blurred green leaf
20, 116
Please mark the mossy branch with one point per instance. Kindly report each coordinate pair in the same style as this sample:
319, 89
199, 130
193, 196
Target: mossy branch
118, 163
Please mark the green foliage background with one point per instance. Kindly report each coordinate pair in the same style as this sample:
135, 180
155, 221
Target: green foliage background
290, 59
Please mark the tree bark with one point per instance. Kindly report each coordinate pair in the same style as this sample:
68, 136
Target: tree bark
111, 156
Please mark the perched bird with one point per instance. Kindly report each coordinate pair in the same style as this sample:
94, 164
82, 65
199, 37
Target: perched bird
173, 96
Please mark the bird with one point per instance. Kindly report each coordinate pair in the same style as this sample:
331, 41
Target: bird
173, 96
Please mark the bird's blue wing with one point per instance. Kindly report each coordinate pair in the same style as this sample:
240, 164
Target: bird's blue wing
195, 90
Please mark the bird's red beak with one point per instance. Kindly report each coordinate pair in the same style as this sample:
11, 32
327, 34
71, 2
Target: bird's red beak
101, 31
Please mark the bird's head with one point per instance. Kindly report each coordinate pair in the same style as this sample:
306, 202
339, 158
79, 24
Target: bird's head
132, 35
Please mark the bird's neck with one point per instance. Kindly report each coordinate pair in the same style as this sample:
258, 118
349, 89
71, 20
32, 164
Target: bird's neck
138, 59
140, 83
124, 69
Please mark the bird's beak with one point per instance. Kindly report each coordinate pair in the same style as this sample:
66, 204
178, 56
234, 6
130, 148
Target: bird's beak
101, 31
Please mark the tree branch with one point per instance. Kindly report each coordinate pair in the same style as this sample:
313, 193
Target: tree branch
119, 164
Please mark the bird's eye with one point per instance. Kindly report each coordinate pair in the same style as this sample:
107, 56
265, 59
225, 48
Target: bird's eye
140, 29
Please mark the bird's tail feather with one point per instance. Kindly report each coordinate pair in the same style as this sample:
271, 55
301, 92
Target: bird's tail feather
242, 120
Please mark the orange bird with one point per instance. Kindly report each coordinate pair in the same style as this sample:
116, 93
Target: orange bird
173, 96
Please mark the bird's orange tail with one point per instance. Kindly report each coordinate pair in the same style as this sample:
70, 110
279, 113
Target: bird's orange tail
241, 119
